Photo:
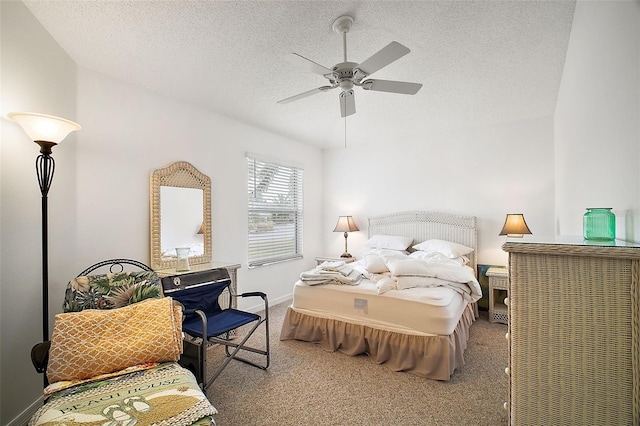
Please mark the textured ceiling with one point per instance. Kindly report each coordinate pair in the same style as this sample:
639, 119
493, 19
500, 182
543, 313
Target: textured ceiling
480, 62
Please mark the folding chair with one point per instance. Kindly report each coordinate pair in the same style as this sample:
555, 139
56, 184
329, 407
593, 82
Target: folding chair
207, 322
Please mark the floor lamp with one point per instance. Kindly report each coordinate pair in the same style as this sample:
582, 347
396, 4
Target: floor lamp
47, 131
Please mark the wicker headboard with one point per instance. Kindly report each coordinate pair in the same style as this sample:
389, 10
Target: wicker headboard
424, 225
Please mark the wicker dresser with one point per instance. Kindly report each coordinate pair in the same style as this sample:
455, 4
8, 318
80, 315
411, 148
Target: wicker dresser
574, 332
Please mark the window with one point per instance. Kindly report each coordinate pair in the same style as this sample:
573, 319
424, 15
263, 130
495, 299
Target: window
275, 212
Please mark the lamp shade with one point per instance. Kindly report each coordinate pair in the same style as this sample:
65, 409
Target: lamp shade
515, 226
345, 224
41, 127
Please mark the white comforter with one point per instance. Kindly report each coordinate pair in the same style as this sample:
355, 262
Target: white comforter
403, 272
398, 272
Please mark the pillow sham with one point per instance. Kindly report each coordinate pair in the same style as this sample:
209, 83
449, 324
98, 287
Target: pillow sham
375, 264
392, 242
92, 342
448, 248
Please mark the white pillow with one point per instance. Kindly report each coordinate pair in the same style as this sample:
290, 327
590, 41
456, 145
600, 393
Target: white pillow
409, 266
385, 284
386, 253
449, 249
439, 257
375, 264
389, 242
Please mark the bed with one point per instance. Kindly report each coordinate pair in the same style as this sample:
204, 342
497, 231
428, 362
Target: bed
396, 317
112, 357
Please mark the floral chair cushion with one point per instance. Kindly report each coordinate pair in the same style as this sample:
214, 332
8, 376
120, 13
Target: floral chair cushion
109, 291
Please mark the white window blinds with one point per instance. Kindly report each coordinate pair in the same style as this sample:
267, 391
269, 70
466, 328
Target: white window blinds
275, 212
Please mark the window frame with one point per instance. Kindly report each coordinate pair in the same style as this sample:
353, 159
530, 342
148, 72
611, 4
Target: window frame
279, 207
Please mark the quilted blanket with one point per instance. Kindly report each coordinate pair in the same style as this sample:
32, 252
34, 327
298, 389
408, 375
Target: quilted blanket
92, 342
166, 395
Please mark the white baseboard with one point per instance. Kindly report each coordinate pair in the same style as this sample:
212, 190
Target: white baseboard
280, 300
272, 302
24, 417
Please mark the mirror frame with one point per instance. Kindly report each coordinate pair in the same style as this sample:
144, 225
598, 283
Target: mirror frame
180, 174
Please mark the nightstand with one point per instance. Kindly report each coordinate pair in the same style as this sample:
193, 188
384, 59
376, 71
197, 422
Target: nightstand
498, 292
335, 259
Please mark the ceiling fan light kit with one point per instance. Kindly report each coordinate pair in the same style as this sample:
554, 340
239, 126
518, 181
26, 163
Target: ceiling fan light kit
346, 75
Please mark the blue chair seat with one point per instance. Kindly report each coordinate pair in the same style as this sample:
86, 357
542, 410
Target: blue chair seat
219, 323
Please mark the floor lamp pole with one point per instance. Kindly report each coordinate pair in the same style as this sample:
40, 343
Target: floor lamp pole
45, 167
47, 131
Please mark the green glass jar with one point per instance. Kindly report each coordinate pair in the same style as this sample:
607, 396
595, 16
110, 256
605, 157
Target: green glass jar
599, 224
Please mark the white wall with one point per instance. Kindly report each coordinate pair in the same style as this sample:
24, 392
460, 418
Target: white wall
99, 201
597, 124
128, 132
37, 76
484, 171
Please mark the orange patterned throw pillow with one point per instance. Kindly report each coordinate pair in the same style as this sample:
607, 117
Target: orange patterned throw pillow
92, 342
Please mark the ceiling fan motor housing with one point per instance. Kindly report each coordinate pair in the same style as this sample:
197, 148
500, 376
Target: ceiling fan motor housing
343, 73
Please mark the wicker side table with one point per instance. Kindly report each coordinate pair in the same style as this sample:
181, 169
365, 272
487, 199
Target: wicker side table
322, 259
498, 291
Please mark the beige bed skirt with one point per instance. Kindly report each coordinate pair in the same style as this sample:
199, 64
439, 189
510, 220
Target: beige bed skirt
433, 357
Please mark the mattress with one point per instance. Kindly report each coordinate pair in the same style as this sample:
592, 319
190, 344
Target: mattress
420, 311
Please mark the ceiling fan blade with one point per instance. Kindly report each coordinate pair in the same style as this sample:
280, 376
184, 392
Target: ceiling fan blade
347, 103
391, 86
391, 52
308, 64
305, 94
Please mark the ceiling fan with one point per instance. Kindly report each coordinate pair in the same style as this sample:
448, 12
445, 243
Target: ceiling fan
346, 75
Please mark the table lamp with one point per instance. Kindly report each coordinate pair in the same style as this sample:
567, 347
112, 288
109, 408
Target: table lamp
345, 224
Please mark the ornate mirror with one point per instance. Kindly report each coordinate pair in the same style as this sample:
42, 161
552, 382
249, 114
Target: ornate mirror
180, 215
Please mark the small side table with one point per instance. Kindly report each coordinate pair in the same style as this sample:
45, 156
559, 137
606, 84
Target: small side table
335, 259
498, 291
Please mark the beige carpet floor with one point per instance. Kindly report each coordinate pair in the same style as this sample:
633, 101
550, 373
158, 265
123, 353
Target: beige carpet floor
306, 385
